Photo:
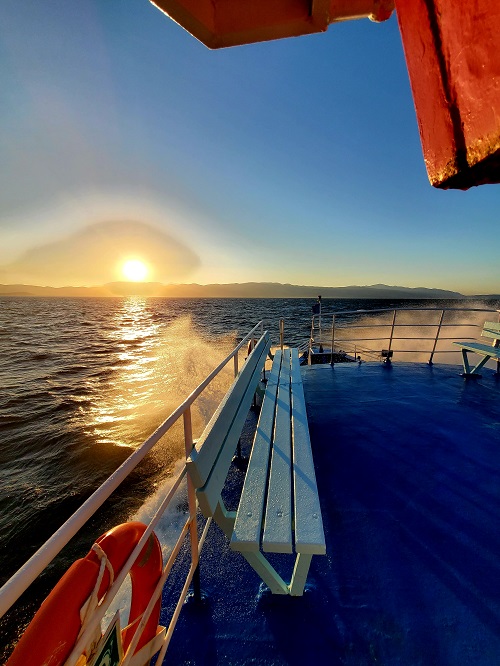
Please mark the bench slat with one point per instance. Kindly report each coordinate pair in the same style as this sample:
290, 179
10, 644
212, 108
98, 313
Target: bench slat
207, 448
248, 525
491, 330
309, 534
273, 376
295, 367
486, 350
278, 519
209, 495
285, 368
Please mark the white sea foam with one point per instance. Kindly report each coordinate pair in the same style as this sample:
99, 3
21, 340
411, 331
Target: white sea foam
414, 334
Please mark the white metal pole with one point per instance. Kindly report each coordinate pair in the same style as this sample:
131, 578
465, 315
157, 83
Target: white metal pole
311, 339
319, 298
193, 528
437, 336
333, 338
498, 362
392, 330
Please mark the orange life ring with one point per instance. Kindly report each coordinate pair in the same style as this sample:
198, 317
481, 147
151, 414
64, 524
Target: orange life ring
53, 632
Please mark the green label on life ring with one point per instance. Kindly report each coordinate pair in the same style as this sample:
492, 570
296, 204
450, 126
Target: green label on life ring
110, 650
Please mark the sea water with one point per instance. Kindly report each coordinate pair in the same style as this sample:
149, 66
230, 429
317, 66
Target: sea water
85, 381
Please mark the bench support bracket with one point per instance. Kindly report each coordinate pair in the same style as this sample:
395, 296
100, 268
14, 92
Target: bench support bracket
474, 372
225, 520
300, 572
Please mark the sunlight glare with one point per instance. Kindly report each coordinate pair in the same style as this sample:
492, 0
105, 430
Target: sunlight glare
135, 270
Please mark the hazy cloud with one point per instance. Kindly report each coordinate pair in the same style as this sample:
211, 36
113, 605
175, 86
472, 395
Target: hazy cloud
93, 255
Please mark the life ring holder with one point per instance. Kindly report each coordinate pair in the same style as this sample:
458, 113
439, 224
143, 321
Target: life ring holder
62, 617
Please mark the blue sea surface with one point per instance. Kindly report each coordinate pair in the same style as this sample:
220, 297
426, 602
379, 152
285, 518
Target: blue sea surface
85, 381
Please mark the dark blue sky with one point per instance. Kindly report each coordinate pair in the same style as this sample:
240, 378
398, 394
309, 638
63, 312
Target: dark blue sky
292, 161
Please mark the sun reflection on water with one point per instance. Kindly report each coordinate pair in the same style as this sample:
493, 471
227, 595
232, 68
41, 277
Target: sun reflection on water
156, 364
133, 335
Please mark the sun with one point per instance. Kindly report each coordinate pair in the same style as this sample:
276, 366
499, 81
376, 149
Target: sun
135, 270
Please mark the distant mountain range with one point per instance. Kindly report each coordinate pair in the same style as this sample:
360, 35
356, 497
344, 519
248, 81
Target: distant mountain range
234, 290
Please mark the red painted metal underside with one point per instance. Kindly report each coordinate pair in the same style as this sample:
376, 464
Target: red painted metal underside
453, 55
452, 51
221, 23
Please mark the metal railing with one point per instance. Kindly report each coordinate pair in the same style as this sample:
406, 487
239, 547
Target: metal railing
23, 578
356, 346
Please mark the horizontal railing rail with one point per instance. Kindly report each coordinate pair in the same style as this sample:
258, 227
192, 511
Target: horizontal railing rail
334, 336
22, 579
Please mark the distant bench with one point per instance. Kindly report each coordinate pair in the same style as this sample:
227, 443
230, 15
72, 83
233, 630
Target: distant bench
490, 330
279, 509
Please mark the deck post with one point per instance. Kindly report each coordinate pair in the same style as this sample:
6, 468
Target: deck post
264, 368
311, 340
437, 336
392, 332
193, 527
319, 321
498, 362
197, 584
333, 337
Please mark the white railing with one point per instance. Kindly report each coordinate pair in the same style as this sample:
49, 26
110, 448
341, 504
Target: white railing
23, 578
338, 340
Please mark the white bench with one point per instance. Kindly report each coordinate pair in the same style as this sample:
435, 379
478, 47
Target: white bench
279, 507
490, 330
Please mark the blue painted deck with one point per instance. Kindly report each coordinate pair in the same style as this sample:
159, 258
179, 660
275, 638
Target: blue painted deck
408, 467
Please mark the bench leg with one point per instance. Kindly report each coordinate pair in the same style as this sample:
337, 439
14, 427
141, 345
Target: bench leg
465, 361
225, 520
300, 572
467, 371
480, 364
267, 572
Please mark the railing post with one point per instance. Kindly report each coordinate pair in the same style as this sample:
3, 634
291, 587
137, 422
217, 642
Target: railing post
311, 339
264, 368
392, 330
333, 338
193, 527
235, 359
437, 336
498, 362
282, 332
319, 321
